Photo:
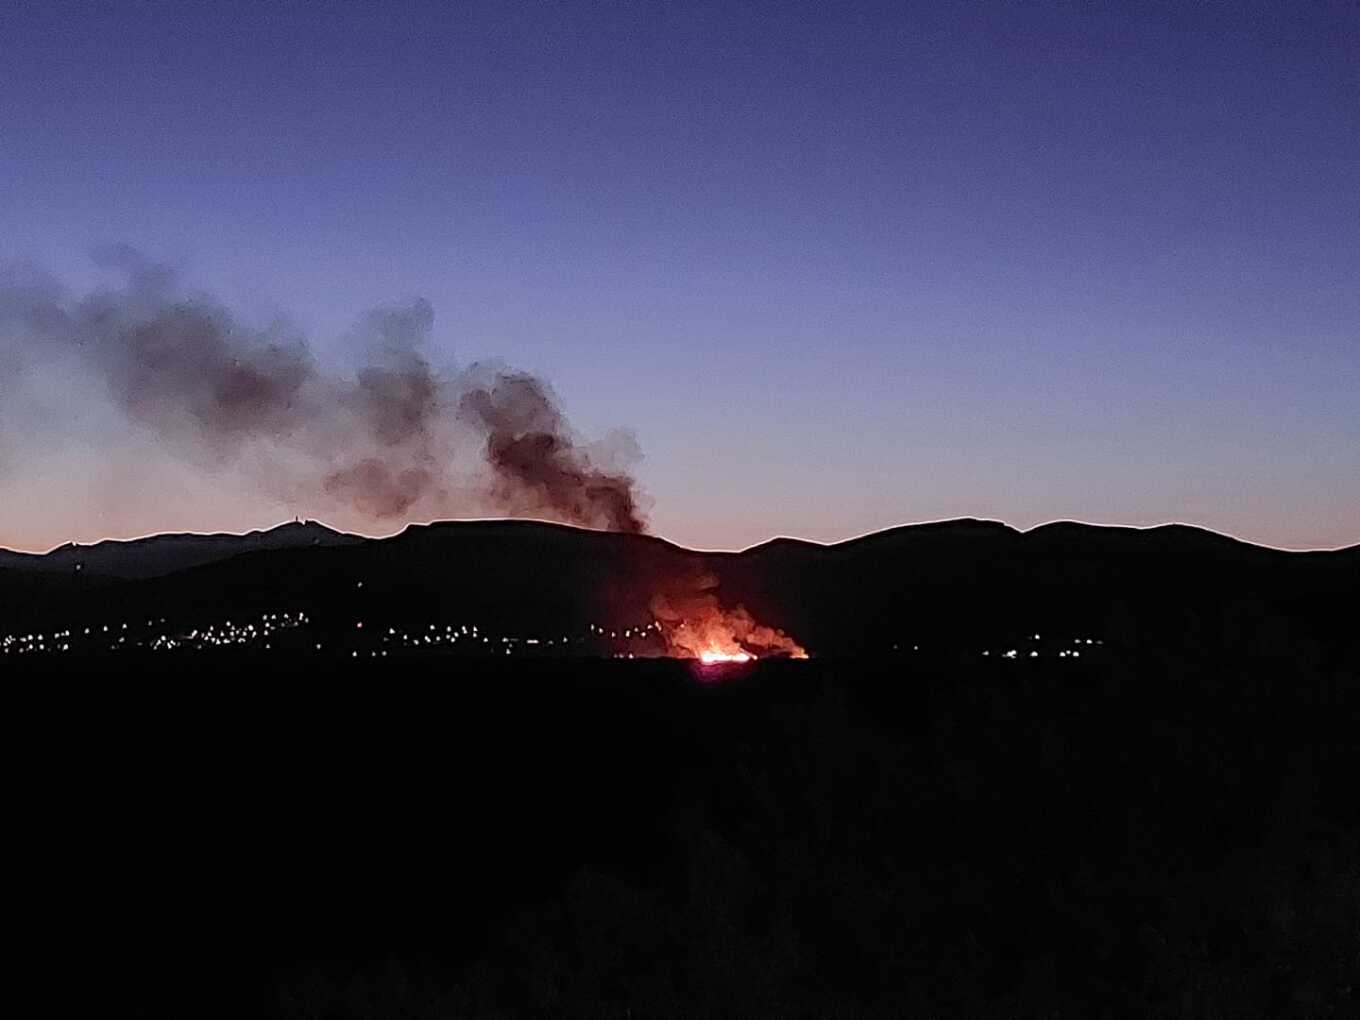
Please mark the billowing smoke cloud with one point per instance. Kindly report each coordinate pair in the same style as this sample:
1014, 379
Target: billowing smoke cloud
398, 438
534, 461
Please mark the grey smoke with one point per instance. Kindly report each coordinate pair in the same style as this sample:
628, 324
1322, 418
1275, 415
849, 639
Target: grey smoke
381, 441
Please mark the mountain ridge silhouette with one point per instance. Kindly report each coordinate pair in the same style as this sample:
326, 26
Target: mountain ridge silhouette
950, 583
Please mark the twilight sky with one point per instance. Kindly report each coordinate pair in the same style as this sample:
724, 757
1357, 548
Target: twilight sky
835, 266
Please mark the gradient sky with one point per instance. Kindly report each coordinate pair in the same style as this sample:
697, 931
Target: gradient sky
839, 266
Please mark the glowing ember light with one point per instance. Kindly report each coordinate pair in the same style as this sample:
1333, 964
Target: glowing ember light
711, 656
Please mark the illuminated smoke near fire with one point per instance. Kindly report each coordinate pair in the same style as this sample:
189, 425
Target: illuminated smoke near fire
399, 438
695, 625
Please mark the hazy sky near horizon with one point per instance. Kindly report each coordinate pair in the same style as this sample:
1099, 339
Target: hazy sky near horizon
836, 266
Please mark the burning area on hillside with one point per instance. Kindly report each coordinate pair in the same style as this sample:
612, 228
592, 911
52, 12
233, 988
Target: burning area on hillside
696, 625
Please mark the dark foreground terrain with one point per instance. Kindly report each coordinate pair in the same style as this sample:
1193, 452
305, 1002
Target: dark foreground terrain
230, 835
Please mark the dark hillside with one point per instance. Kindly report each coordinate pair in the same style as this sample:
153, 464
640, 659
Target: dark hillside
614, 839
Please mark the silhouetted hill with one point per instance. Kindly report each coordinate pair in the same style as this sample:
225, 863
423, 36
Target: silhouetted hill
945, 587
157, 555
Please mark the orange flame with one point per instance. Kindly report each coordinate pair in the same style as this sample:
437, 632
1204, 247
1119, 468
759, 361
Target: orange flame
696, 626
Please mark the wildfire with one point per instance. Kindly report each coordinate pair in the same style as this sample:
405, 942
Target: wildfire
711, 657
696, 626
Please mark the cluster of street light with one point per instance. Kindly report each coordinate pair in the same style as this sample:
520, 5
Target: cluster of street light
366, 641
467, 635
380, 640
107, 636
1031, 650
471, 637
27, 644
154, 636
231, 634
614, 634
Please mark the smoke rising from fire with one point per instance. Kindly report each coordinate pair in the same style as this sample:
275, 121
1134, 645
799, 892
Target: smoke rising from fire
695, 625
399, 438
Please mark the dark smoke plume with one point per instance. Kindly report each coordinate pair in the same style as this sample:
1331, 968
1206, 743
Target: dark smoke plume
398, 437
529, 449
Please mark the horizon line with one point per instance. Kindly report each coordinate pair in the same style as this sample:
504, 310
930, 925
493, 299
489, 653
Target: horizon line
300, 520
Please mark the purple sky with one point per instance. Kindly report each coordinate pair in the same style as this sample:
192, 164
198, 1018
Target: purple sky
836, 266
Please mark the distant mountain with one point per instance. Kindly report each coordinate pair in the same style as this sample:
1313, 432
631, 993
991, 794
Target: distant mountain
945, 585
158, 555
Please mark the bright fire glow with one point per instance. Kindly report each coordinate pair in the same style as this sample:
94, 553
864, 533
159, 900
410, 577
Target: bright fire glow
696, 626
709, 656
